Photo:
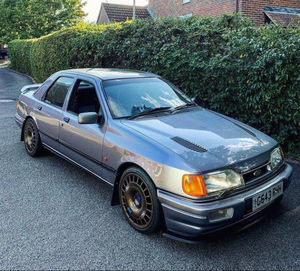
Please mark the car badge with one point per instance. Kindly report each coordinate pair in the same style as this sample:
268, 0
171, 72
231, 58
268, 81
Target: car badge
257, 173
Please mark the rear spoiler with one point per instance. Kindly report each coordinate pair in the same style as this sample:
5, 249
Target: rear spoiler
27, 88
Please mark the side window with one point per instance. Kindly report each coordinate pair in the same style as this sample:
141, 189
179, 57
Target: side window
57, 93
84, 98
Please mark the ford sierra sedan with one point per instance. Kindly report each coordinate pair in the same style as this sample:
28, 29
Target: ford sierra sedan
173, 165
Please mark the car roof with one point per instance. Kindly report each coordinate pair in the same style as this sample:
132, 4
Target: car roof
110, 74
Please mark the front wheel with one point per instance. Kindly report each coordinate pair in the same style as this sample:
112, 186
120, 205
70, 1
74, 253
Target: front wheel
33, 144
139, 200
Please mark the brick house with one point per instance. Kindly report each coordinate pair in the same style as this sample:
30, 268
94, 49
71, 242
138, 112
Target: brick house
120, 13
286, 12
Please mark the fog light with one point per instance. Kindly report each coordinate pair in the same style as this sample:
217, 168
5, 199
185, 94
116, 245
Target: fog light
221, 214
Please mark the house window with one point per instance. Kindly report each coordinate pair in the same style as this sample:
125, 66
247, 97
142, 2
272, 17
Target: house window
186, 16
185, 1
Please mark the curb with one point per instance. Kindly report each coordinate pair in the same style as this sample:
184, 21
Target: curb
23, 74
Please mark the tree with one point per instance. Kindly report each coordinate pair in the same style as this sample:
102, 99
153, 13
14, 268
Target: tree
23, 19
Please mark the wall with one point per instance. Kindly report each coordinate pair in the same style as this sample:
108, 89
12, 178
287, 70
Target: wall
251, 8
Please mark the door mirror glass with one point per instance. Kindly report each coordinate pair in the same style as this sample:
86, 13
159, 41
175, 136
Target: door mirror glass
88, 118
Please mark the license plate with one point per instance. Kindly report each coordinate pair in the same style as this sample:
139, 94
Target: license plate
268, 195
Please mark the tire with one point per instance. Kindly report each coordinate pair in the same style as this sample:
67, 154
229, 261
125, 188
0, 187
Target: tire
32, 140
139, 201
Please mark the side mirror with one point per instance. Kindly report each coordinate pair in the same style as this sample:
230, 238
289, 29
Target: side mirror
88, 118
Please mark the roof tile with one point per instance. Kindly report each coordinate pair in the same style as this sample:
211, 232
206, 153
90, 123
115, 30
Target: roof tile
284, 19
120, 13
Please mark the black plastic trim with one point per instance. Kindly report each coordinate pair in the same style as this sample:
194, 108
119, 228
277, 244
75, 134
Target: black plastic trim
235, 227
189, 145
83, 154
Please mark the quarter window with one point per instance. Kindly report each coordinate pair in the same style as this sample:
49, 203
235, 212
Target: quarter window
57, 93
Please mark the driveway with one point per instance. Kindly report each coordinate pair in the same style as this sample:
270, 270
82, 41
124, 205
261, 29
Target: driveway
56, 216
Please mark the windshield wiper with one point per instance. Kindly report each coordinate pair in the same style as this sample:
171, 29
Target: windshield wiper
183, 106
149, 111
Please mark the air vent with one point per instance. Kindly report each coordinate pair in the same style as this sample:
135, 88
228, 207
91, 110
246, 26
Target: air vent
188, 144
245, 129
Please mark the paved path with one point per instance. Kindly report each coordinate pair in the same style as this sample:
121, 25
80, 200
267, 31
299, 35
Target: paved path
56, 216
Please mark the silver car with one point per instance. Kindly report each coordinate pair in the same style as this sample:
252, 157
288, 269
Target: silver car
173, 165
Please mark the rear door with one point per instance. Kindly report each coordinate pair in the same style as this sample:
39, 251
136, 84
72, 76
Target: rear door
82, 142
48, 112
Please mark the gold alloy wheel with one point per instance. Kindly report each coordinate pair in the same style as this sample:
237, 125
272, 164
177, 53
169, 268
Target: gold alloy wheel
136, 200
30, 137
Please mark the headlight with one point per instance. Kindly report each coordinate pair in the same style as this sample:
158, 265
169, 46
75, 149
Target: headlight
202, 185
222, 180
276, 158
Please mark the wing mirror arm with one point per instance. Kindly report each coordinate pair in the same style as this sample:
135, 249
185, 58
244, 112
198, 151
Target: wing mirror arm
201, 102
100, 118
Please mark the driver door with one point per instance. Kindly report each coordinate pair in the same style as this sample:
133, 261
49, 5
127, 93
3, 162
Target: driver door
82, 142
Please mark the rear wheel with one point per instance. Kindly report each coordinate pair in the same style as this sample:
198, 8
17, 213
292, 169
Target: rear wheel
139, 201
33, 144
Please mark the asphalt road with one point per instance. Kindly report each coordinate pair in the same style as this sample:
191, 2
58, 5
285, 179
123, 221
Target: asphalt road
56, 216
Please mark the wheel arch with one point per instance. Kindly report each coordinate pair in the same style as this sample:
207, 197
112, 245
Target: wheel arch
115, 196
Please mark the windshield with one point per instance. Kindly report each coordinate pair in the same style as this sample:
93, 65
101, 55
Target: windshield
128, 97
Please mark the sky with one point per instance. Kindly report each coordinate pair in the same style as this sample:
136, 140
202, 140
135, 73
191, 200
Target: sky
92, 7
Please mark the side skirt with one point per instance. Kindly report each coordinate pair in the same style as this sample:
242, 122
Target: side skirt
74, 162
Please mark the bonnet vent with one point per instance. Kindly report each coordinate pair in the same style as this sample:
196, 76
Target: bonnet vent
188, 144
245, 129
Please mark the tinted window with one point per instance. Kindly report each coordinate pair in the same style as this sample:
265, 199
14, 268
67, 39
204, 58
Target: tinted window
57, 93
84, 98
127, 97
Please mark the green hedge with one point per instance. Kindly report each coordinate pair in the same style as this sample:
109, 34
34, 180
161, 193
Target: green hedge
248, 73
20, 56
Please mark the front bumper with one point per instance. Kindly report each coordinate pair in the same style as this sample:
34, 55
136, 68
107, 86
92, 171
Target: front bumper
189, 219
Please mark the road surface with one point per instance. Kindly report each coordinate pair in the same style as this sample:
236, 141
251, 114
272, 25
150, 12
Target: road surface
56, 216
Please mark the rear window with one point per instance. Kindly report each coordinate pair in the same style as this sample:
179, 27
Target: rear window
57, 93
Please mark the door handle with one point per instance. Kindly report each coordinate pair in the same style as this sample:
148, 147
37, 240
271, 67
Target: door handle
39, 107
66, 119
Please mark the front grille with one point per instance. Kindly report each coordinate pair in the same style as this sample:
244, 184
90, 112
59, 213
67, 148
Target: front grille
261, 173
255, 182
256, 173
